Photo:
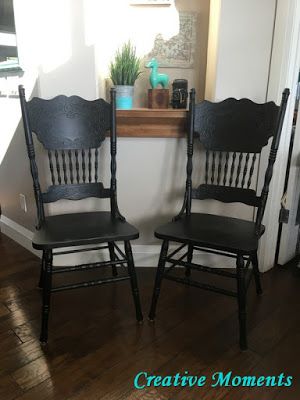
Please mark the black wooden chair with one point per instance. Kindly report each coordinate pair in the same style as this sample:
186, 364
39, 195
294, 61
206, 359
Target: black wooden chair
71, 130
233, 133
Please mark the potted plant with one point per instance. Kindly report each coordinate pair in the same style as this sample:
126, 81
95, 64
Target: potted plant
124, 71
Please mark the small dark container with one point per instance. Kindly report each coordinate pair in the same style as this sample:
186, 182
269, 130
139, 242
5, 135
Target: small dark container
180, 93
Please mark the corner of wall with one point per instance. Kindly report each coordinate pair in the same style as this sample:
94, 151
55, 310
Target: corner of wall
212, 48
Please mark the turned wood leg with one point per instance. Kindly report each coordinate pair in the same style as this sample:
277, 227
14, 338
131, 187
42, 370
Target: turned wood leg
42, 270
256, 274
241, 290
158, 278
47, 284
189, 259
133, 280
112, 258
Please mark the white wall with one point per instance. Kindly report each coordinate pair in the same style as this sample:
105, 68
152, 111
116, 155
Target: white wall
54, 61
141, 25
67, 64
61, 54
239, 57
241, 41
15, 176
65, 55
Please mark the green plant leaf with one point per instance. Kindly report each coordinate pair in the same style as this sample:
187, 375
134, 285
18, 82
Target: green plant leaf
125, 68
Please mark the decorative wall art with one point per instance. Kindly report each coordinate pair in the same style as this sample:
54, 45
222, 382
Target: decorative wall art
177, 52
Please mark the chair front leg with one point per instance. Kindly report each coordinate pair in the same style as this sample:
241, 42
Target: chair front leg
47, 285
241, 291
189, 260
112, 256
256, 274
42, 270
133, 280
158, 278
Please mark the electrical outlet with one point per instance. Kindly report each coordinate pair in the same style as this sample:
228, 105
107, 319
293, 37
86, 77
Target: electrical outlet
23, 204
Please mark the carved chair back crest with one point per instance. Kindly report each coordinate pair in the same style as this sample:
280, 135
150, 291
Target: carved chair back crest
233, 134
71, 130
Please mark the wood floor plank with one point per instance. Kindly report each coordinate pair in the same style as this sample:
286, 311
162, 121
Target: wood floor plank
35, 372
4, 311
118, 345
290, 393
162, 346
9, 390
19, 356
9, 292
233, 360
96, 348
283, 358
273, 328
8, 340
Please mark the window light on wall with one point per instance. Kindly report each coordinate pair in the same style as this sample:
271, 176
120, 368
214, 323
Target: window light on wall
8, 43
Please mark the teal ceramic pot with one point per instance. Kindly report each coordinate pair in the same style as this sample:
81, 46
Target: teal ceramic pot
124, 97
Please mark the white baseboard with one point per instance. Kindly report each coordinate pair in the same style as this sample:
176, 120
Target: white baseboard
148, 255
18, 233
144, 255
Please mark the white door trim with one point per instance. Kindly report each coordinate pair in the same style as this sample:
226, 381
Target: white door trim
284, 72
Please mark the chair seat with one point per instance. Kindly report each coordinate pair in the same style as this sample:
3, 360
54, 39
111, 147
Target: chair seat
212, 231
81, 229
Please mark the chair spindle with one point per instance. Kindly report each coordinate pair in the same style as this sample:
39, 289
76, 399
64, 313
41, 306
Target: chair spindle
64, 166
219, 168
77, 166
226, 168
213, 167
245, 170
239, 169
57, 167
71, 166
90, 165
51, 167
83, 165
251, 170
232, 168
206, 166
96, 164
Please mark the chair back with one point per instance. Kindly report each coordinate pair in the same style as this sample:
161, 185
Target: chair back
233, 133
71, 130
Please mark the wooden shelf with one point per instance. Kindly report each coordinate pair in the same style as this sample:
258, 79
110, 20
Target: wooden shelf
147, 122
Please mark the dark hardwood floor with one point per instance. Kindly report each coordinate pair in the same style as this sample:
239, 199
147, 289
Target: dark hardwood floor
96, 348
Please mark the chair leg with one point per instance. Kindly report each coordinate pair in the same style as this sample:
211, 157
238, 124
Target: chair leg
256, 274
42, 271
47, 284
158, 278
241, 291
189, 259
112, 258
133, 280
